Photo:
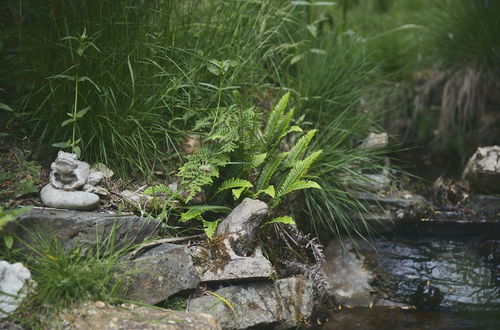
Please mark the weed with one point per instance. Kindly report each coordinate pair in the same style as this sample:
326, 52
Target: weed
65, 277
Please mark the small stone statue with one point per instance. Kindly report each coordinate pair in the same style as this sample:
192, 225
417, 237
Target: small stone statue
72, 184
68, 173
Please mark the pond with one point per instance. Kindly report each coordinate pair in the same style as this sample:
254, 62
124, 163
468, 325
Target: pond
464, 271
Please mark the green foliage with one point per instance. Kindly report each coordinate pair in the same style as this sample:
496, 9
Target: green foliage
200, 169
7, 216
463, 33
18, 180
142, 70
284, 219
65, 277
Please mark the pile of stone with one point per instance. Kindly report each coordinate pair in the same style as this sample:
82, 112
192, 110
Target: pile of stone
243, 296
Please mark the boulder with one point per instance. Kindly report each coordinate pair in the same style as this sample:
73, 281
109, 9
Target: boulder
98, 315
83, 229
72, 200
15, 281
284, 304
483, 170
159, 273
240, 227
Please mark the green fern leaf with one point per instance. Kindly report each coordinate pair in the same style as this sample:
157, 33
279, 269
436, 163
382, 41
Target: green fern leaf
159, 188
300, 185
268, 191
195, 212
296, 173
299, 149
237, 192
268, 171
274, 119
285, 219
209, 227
234, 183
258, 159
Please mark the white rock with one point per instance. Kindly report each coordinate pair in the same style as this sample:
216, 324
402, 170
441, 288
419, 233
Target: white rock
374, 140
483, 170
73, 200
14, 283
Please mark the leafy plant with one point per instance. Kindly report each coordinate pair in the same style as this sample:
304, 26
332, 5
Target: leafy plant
65, 277
7, 216
83, 43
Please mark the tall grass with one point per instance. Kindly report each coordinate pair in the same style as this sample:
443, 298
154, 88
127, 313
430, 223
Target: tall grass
462, 39
148, 74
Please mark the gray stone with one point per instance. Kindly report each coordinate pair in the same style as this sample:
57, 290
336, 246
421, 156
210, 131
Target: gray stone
402, 205
98, 315
159, 273
15, 281
72, 200
286, 303
483, 170
84, 229
240, 227
233, 267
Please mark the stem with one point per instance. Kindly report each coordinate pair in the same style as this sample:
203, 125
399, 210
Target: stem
75, 108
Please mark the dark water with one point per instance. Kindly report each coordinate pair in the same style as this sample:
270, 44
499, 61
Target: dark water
466, 271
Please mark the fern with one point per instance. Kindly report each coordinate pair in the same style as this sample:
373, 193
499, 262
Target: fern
283, 219
292, 180
268, 171
200, 170
274, 120
300, 185
234, 183
238, 186
299, 149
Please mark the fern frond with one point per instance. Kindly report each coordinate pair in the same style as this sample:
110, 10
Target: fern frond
159, 188
300, 185
280, 131
257, 160
299, 149
268, 171
284, 219
200, 170
296, 173
270, 191
274, 119
234, 183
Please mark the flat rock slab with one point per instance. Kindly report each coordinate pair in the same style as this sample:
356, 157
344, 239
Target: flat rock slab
280, 305
159, 273
98, 315
239, 268
83, 229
